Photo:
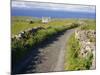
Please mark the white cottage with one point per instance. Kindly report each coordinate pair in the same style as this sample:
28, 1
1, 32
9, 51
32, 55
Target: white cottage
46, 19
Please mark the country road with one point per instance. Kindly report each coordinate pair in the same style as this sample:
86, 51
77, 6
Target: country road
50, 55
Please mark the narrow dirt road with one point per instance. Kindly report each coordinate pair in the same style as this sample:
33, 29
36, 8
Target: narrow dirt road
50, 55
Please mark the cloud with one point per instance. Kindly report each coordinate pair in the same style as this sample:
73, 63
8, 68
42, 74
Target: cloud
54, 7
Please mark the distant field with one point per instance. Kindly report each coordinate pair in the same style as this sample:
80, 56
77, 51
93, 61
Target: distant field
90, 24
20, 23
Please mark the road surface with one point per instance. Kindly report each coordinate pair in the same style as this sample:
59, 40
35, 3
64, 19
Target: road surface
50, 55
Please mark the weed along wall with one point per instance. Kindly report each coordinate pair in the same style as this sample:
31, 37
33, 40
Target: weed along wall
87, 40
81, 49
28, 39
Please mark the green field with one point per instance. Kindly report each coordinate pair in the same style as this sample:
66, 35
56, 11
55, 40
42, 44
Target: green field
90, 25
20, 23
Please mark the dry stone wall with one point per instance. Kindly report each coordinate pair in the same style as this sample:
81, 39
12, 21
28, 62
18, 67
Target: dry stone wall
29, 31
87, 42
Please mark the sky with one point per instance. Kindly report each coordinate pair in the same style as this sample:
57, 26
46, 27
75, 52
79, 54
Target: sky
19, 7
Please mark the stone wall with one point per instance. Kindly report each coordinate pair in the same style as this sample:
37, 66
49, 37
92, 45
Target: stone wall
87, 46
26, 33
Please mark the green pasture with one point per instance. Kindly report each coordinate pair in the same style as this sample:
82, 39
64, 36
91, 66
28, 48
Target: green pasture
20, 23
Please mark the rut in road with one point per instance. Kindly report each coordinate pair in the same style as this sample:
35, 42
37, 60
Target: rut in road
50, 56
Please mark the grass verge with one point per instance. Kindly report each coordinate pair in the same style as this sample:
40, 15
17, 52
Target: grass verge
72, 59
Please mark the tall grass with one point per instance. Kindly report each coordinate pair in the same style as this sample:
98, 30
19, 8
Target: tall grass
72, 59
